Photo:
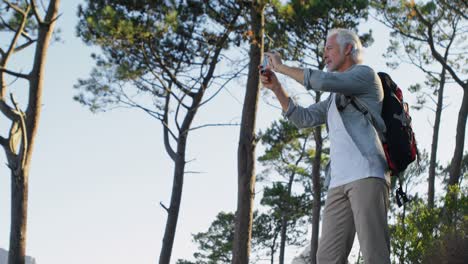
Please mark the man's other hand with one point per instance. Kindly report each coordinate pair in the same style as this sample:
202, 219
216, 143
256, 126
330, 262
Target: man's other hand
274, 59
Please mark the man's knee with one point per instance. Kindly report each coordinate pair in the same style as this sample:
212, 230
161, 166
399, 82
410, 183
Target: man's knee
328, 257
322, 258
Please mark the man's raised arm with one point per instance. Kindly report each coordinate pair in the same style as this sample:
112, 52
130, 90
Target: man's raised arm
277, 65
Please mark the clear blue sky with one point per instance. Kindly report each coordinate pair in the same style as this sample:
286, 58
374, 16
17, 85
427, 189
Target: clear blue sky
97, 180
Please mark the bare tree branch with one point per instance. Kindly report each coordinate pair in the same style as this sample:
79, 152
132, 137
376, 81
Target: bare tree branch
194, 172
168, 90
212, 125
224, 85
24, 34
146, 110
18, 33
168, 131
435, 53
395, 27
24, 141
43, 5
11, 48
131, 103
16, 8
428, 108
163, 206
232, 96
4, 142
16, 74
270, 104
176, 115
52, 20
214, 58
7, 110
36, 12
25, 45
460, 12
430, 97
166, 70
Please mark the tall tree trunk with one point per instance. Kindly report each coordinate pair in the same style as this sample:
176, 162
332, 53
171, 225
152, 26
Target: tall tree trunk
317, 190
28, 123
455, 165
286, 209
173, 210
435, 141
273, 250
19, 215
179, 156
179, 172
285, 216
284, 223
247, 142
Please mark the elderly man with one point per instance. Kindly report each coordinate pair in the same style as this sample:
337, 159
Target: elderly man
357, 199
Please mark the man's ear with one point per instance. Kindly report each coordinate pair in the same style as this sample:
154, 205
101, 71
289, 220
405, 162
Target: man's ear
349, 49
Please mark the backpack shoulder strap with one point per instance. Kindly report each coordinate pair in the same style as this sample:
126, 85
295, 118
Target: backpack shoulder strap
361, 107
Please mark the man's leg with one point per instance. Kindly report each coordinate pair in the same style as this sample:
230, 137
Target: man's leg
369, 202
338, 229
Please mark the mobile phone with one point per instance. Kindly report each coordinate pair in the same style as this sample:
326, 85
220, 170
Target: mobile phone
264, 64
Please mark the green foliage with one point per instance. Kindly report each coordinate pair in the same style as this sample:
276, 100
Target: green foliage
293, 209
287, 150
11, 19
152, 48
288, 156
278, 198
456, 205
451, 245
284, 145
215, 245
265, 233
445, 170
417, 26
183, 261
413, 234
308, 23
464, 168
421, 235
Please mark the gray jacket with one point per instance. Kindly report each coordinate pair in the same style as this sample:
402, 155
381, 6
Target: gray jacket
362, 83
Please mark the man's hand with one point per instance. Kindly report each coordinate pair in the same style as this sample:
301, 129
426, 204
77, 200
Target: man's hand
268, 78
277, 65
270, 81
274, 60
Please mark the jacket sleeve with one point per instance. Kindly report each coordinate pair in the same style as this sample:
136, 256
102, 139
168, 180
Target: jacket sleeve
355, 81
311, 116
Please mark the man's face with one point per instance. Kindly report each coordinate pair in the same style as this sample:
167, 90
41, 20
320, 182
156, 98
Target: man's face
334, 58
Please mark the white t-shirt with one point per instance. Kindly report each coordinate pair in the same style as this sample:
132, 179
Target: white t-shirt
347, 164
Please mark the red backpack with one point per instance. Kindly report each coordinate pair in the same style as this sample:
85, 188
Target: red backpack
398, 141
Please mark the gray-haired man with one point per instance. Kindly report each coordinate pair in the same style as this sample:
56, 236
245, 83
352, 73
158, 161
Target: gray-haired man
357, 199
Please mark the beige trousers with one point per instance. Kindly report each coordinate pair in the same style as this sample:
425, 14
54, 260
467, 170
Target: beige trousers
360, 206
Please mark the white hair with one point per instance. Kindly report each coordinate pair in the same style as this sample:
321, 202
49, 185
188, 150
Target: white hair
344, 37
